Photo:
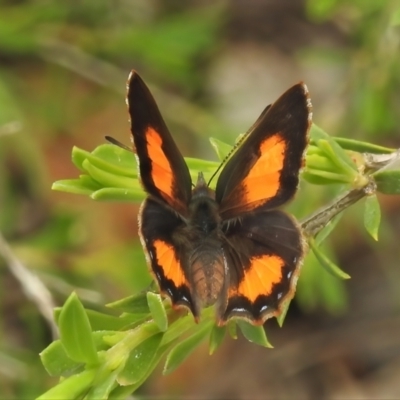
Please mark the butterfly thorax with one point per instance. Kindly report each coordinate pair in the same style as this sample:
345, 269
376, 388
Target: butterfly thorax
206, 259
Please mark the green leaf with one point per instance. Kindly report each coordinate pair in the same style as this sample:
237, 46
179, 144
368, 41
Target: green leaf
56, 361
157, 310
317, 177
255, 334
372, 215
177, 328
84, 185
140, 361
232, 329
216, 337
135, 304
339, 158
336, 153
78, 157
198, 165
70, 388
106, 156
115, 160
318, 288
222, 149
327, 263
119, 194
113, 166
362, 147
104, 339
387, 181
100, 321
109, 179
122, 392
319, 162
103, 385
76, 333
183, 349
281, 317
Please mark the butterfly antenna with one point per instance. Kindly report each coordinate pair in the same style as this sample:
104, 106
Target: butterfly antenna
228, 156
117, 143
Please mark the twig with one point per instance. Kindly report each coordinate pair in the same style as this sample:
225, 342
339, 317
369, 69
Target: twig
373, 162
317, 221
32, 286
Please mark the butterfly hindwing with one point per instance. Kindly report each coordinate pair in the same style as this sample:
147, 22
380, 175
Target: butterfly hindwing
163, 171
166, 255
263, 251
264, 169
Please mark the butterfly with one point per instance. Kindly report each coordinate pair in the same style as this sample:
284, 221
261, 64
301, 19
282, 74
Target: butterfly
230, 247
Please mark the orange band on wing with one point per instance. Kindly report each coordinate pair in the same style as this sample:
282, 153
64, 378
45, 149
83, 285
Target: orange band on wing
168, 262
161, 172
262, 182
259, 280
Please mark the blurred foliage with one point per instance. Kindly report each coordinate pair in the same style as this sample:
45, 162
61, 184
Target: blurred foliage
371, 59
45, 98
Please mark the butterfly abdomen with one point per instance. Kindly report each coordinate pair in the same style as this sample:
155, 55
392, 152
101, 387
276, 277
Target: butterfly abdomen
205, 259
207, 272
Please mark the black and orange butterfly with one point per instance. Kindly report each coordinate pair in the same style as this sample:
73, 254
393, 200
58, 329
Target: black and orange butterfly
230, 247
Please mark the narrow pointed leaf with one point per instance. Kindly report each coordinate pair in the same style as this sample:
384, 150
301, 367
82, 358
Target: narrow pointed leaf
76, 333
255, 334
78, 157
84, 185
133, 194
109, 179
56, 361
317, 134
114, 160
232, 329
135, 304
157, 310
140, 360
281, 317
102, 388
372, 216
216, 337
101, 321
119, 157
388, 181
70, 388
362, 147
327, 263
183, 349
122, 392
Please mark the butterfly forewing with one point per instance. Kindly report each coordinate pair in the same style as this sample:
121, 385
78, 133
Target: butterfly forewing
163, 171
264, 169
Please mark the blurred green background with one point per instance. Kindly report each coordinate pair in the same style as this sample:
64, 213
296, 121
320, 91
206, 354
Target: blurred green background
212, 67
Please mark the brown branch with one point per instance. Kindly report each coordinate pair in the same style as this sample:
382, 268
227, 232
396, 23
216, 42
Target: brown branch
373, 163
